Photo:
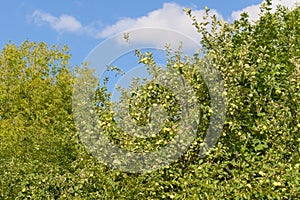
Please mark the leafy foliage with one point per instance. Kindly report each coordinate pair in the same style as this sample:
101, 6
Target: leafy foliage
257, 156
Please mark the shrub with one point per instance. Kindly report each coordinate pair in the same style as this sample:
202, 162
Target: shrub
257, 156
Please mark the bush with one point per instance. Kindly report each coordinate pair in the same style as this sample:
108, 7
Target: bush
257, 156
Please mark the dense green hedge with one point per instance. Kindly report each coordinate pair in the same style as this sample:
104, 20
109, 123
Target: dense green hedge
257, 156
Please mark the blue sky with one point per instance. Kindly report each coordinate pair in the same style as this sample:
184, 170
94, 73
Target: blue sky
82, 25
18, 24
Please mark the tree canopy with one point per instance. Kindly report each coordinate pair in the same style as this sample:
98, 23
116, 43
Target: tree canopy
256, 157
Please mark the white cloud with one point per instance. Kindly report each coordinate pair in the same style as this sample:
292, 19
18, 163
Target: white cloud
254, 10
61, 24
170, 16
